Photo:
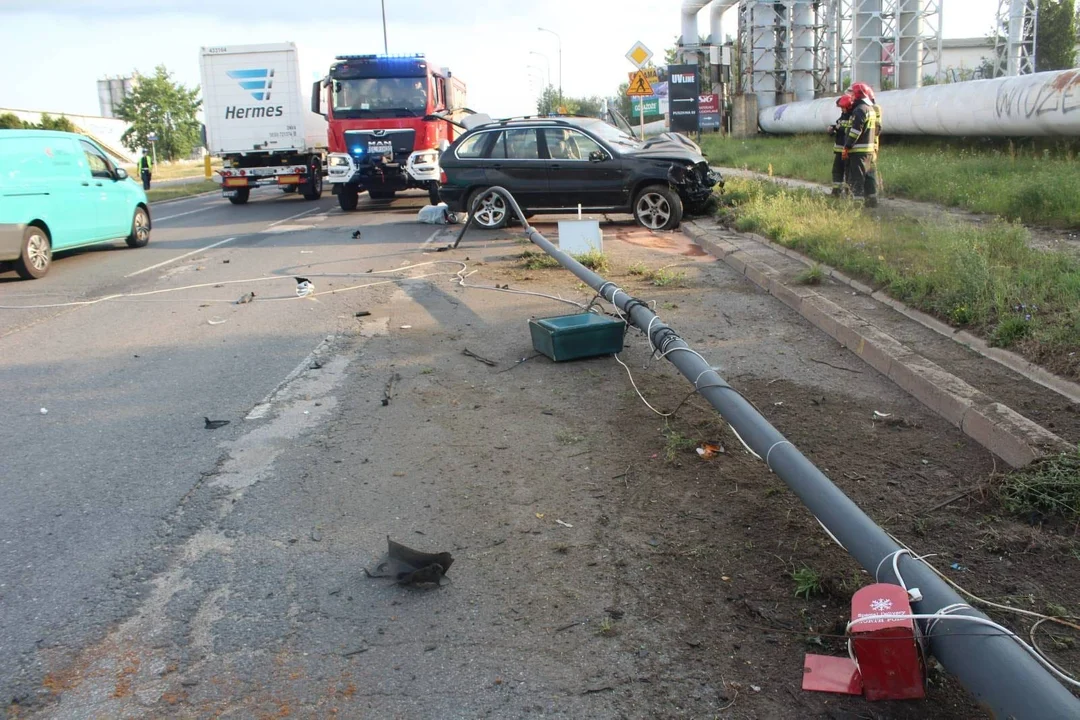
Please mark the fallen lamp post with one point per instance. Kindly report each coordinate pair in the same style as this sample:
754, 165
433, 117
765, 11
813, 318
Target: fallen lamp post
1002, 676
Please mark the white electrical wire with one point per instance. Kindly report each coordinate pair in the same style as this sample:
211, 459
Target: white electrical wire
460, 277
946, 613
264, 278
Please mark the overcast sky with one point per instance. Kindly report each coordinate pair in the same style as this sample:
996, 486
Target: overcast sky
55, 50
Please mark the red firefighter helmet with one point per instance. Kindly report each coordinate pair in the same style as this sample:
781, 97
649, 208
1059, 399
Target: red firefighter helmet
845, 102
862, 90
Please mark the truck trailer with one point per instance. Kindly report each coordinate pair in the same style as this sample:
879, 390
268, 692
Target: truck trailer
259, 120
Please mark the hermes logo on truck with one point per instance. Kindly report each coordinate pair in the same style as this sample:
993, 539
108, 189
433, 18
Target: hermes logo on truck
258, 82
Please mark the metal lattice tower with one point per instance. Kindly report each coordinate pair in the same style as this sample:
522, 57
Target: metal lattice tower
893, 40
918, 41
1014, 41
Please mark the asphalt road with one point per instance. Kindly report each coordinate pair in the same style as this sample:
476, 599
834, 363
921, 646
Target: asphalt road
94, 489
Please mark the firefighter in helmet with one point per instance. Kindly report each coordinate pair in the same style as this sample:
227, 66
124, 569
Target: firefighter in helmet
839, 131
861, 144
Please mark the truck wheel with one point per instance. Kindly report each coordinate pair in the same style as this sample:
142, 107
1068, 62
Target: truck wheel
433, 192
313, 188
658, 208
241, 196
36, 256
492, 210
382, 194
347, 198
140, 229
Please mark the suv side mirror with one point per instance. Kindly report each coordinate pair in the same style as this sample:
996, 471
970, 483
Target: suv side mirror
597, 156
121, 174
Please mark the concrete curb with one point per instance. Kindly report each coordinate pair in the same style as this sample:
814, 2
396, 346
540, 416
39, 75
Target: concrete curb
1008, 434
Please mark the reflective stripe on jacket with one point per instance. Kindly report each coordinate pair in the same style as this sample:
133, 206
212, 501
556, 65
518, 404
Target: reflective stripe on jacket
862, 137
840, 130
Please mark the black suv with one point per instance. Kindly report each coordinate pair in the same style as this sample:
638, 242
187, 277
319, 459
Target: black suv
552, 165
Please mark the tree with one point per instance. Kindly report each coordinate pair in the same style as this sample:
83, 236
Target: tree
61, 123
1055, 35
10, 121
159, 105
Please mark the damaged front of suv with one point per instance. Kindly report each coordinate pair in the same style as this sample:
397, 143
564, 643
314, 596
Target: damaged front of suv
696, 184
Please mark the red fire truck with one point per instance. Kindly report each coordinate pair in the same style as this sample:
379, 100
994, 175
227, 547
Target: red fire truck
387, 124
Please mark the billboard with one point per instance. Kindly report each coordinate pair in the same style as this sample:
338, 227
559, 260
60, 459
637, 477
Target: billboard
709, 111
683, 97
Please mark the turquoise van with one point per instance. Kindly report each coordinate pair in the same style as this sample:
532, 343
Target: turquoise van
60, 191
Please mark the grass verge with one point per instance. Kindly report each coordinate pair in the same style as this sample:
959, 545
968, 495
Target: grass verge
985, 278
537, 260
1036, 182
1050, 487
171, 192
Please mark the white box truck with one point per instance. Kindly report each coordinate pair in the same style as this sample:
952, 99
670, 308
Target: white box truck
259, 120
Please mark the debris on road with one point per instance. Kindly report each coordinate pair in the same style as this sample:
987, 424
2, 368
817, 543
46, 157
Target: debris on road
304, 287
406, 327
436, 215
215, 424
412, 567
44, 411
482, 359
356, 235
388, 393
316, 534
362, 313
564, 524
246, 298
216, 321
710, 450
355, 651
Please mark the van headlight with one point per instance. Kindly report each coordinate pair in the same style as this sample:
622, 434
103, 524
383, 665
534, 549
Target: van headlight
339, 161
428, 157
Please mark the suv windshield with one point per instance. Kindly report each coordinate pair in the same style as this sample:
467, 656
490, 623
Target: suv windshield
611, 134
380, 97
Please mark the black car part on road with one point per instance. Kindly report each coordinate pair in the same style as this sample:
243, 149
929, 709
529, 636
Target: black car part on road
992, 664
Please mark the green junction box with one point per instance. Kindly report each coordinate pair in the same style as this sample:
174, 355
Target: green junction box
572, 337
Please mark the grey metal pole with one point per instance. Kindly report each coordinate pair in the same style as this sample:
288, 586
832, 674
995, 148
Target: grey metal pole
996, 670
559, 38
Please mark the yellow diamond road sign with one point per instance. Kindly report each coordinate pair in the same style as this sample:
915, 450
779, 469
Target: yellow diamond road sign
639, 55
639, 85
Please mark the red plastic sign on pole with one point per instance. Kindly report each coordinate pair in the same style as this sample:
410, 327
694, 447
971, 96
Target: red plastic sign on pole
883, 640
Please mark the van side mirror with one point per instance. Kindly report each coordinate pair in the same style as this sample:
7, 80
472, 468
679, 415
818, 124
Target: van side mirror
597, 156
121, 174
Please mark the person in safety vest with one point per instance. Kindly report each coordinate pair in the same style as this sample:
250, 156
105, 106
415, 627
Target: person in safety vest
861, 143
145, 166
839, 130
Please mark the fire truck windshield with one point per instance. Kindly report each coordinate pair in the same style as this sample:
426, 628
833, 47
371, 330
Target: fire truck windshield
380, 97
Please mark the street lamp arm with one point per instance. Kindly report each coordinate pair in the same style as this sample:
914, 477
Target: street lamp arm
559, 38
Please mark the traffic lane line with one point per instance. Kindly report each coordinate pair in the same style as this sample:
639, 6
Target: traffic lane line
211, 246
163, 263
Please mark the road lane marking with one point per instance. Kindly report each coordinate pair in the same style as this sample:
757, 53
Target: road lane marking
179, 257
189, 212
293, 217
